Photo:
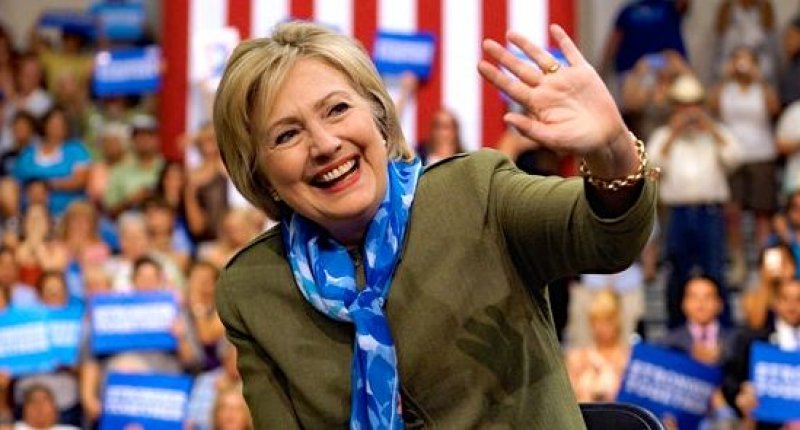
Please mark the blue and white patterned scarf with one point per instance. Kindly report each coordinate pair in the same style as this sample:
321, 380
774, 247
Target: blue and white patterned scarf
325, 274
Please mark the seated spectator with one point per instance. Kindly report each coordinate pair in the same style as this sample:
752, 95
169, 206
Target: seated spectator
7, 59
203, 310
165, 238
702, 336
9, 212
206, 191
135, 243
629, 287
79, 235
596, 371
236, 230
208, 384
24, 133
19, 294
70, 59
36, 192
777, 264
39, 411
784, 333
695, 154
62, 163
28, 95
113, 143
230, 411
38, 252
133, 180
52, 289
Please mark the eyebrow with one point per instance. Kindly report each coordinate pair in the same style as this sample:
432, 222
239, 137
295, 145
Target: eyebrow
317, 106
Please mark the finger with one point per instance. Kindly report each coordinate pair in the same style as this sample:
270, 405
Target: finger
542, 58
522, 70
571, 52
515, 89
530, 128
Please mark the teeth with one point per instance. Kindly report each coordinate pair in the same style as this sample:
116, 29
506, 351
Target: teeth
338, 172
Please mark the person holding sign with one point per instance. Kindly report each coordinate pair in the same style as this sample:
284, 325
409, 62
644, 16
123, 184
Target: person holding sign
392, 296
739, 391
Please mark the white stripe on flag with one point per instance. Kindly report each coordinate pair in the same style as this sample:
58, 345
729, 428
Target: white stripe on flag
461, 86
529, 18
397, 15
266, 14
335, 13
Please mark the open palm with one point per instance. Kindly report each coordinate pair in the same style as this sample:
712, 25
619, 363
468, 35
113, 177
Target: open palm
567, 110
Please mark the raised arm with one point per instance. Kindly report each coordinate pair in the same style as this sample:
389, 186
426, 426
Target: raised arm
569, 109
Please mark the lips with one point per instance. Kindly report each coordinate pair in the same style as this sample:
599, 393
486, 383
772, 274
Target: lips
335, 175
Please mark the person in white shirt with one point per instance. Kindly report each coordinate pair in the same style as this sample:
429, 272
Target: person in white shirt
787, 138
695, 154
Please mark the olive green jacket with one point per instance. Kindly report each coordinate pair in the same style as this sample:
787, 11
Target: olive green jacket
468, 306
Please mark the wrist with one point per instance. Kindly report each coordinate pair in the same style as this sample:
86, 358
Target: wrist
616, 160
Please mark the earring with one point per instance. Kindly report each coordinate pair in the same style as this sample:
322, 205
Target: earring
275, 195
385, 143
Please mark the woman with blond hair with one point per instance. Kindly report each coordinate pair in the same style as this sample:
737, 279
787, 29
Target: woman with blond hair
596, 370
389, 296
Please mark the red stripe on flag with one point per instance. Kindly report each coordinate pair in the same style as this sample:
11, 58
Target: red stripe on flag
494, 24
239, 14
365, 22
429, 96
562, 12
175, 85
302, 9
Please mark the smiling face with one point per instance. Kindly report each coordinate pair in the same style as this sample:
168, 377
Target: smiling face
323, 153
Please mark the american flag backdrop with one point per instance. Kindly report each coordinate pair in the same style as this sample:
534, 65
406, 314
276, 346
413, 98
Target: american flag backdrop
459, 27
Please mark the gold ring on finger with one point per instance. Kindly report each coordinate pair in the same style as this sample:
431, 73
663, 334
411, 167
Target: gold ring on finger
552, 69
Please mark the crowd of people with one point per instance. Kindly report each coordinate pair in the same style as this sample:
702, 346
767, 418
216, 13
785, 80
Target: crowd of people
90, 206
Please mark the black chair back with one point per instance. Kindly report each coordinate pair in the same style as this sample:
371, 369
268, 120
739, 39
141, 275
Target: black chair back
618, 416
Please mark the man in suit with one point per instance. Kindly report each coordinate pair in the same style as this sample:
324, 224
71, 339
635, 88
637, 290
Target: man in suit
703, 337
783, 333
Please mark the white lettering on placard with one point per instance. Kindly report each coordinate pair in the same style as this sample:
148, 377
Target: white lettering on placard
156, 403
778, 380
64, 333
668, 388
23, 339
115, 70
404, 51
133, 318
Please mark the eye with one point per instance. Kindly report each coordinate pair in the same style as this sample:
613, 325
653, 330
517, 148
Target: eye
338, 109
285, 137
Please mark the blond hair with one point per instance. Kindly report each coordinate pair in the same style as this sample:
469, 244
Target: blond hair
252, 80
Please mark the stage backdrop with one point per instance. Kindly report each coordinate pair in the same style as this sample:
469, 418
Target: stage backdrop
195, 34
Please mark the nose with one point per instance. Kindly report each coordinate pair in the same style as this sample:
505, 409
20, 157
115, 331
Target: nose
324, 143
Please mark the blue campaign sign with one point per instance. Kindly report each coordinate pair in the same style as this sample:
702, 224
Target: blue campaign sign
395, 53
153, 402
76, 21
25, 342
776, 376
64, 327
668, 382
133, 322
120, 20
127, 71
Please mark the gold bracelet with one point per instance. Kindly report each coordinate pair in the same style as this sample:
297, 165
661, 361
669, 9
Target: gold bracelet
642, 171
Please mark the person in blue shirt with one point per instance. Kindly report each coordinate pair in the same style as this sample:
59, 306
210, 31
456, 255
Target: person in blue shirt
645, 27
63, 164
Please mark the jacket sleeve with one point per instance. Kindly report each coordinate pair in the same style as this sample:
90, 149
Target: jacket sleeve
552, 231
735, 367
265, 387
